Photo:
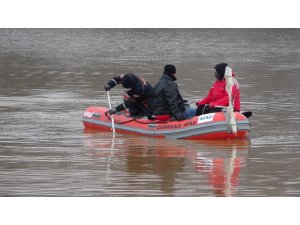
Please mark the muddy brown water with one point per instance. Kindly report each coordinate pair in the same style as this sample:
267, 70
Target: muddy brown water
50, 76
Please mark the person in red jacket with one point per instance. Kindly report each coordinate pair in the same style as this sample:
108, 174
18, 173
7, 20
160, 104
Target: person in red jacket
217, 95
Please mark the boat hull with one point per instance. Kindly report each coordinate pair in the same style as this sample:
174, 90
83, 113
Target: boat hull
213, 126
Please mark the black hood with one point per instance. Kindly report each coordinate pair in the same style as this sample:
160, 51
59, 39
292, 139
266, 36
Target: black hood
220, 69
170, 70
129, 80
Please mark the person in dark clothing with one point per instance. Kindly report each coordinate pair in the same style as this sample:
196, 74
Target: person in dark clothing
137, 99
167, 101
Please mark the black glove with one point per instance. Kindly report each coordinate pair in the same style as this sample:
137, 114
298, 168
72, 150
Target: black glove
186, 104
110, 112
179, 116
107, 87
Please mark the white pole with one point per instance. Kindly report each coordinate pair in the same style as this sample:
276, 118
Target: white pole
112, 118
229, 85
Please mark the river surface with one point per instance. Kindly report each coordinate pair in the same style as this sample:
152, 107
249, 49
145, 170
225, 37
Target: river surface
50, 76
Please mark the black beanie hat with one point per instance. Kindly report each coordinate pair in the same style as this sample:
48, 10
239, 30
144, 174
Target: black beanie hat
169, 69
128, 80
220, 68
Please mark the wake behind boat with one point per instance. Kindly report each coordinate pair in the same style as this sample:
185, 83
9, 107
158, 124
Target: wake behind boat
212, 126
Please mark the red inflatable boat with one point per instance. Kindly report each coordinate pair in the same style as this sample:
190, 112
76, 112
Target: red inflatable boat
213, 126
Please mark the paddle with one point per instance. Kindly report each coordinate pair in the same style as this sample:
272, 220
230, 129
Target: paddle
229, 85
112, 118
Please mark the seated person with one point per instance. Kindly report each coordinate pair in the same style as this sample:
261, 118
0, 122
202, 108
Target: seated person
218, 96
137, 99
167, 101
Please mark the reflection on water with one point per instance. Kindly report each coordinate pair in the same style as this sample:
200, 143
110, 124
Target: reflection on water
173, 167
50, 76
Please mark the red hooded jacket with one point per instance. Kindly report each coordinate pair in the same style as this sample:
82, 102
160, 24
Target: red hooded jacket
217, 95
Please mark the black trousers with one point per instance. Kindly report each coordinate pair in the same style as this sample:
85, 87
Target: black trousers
204, 109
141, 108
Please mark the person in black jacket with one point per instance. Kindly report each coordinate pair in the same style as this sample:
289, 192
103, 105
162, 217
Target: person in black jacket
137, 99
167, 101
